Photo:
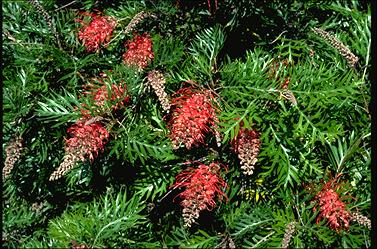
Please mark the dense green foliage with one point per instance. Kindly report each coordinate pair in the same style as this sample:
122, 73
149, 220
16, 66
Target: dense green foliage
241, 50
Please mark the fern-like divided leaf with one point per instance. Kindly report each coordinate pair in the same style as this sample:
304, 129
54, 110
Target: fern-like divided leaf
96, 223
20, 222
205, 48
200, 239
249, 226
249, 222
230, 121
17, 101
154, 184
168, 51
292, 49
59, 109
341, 153
142, 144
203, 52
282, 163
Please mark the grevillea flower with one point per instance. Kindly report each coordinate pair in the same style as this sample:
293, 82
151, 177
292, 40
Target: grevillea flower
286, 83
139, 51
193, 115
86, 141
201, 185
97, 32
246, 145
103, 92
332, 208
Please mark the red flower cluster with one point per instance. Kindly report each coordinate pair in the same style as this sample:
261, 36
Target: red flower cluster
101, 93
192, 114
97, 32
332, 208
247, 145
87, 139
139, 51
202, 186
117, 93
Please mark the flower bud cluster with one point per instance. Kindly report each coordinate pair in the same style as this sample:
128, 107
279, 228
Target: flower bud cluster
13, 153
361, 219
289, 231
139, 51
247, 146
37, 207
338, 45
193, 116
97, 32
86, 141
47, 18
230, 244
75, 245
137, 19
157, 81
201, 185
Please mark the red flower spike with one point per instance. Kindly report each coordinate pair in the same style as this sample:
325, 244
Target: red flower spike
97, 32
87, 140
101, 94
332, 208
139, 51
201, 185
117, 92
192, 115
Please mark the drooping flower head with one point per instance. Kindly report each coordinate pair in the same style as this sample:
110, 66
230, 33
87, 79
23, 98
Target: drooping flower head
139, 51
202, 185
97, 32
193, 115
331, 207
86, 141
247, 145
